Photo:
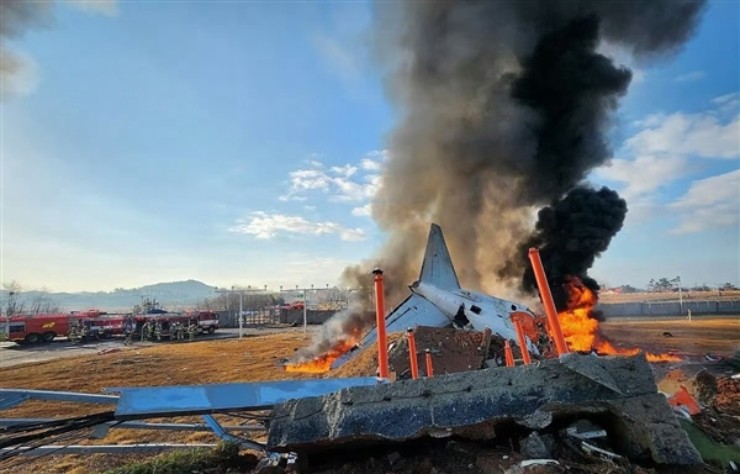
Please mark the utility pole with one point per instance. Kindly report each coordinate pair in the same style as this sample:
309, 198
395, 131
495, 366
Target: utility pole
680, 295
6, 314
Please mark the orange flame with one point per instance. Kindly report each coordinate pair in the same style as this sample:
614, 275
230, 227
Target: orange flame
322, 363
581, 329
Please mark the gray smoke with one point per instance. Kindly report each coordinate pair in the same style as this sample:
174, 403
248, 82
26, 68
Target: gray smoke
345, 326
17, 71
503, 109
503, 106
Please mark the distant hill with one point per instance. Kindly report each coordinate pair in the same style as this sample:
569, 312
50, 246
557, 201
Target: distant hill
174, 295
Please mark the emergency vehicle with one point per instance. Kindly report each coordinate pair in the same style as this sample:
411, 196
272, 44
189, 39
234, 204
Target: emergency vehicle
207, 321
42, 327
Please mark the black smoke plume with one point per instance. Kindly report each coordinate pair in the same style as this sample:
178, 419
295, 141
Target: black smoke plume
502, 109
570, 234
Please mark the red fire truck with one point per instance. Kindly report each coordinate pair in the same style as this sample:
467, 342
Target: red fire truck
43, 327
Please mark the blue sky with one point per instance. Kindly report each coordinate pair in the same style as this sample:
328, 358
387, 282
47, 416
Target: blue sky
240, 143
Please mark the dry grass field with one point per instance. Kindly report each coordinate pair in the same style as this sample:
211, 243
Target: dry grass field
253, 359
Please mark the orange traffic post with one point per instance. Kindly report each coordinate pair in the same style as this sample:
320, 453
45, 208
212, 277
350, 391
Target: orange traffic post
428, 359
522, 342
380, 321
509, 355
412, 354
547, 301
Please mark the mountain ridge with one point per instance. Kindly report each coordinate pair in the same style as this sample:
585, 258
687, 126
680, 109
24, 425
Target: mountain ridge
177, 293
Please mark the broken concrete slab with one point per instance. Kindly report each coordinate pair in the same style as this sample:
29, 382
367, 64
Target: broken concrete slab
469, 404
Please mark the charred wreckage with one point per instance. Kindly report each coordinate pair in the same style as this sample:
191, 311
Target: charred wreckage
549, 389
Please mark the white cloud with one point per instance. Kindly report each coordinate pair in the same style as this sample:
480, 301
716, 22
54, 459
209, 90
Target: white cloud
267, 226
728, 102
692, 76
370, 165
340, 183
670, 147
644, 173
363, 211
303, 180
346, 170
701, 134
709, 203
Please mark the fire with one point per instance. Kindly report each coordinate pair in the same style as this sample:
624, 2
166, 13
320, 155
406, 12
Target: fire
322, 363
581, 330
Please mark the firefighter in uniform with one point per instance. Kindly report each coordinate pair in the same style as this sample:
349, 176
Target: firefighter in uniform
150, 330
180, 331
129, 331
73, 335
158, 330
191, 331
84, 331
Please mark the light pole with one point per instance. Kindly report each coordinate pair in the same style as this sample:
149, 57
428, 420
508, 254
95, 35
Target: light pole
680, 295
11, 294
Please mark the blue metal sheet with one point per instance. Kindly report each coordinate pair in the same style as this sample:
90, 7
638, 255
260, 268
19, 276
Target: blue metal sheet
202, 399
12, 396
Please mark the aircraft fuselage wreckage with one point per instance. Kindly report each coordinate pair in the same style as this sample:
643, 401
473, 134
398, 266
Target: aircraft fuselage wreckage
437, 300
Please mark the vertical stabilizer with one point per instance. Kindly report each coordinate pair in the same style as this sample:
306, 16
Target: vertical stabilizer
437, 268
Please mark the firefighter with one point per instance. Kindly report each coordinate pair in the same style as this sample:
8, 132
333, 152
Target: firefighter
73, 335
128, 330
150, 330
84, 331
191, 331
158, 331
180, 331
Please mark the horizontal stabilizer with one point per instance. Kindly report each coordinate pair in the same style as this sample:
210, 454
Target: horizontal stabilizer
437, 268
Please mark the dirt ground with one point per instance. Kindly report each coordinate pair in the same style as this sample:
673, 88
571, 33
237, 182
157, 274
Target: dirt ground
258, 358
716, 335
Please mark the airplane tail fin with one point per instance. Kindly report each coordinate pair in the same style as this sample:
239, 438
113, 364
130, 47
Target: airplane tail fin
437, 268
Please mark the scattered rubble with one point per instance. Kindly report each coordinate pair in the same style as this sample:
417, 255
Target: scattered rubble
620, 391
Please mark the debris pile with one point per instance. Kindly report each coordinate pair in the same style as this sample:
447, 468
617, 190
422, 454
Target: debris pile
622, 416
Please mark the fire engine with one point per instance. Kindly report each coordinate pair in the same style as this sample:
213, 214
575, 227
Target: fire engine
42, 327
45, 327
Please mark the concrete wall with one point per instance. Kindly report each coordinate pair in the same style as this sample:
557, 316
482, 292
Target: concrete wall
670, 308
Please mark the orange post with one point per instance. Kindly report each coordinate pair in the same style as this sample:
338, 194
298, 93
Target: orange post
509, 355
428, 359
412, 354
546, 295
380, 321
522, 342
